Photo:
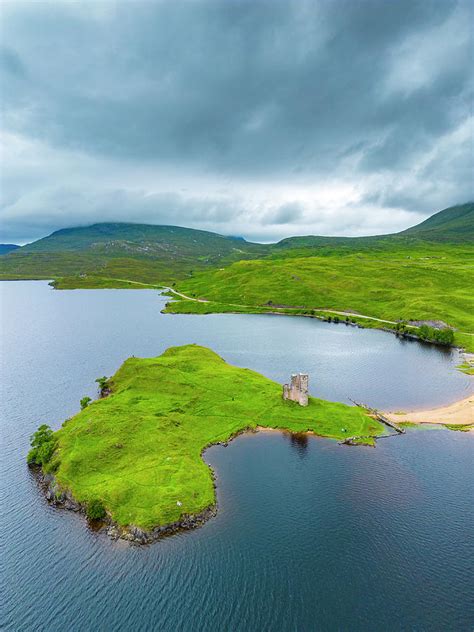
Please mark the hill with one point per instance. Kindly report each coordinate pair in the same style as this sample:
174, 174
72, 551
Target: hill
451, 225
114, 254
425, 273
6, 248
142, 240
454, 224
423, 276
138, 452
136, 252
420, 282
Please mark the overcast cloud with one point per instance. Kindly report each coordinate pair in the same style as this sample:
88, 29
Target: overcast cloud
263, 119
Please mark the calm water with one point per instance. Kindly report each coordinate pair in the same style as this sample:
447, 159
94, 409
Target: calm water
309, 536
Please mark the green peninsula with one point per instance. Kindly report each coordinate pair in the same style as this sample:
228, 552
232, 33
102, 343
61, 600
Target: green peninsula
138, 451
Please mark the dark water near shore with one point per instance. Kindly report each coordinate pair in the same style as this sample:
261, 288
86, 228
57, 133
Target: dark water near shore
309, 535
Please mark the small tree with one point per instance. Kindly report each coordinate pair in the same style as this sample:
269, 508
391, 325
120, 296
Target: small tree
103, 383
95, 510
85, 401
43, 443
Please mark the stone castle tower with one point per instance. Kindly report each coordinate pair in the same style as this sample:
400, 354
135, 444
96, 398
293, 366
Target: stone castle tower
297, 389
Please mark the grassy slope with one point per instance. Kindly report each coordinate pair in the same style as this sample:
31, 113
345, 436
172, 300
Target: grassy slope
390, 277
451, 224
137, 252
139, 450
421, 282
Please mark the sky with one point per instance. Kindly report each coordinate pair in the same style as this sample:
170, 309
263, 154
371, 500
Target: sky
262, 119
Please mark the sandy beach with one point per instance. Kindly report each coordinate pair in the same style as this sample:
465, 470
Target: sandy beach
460, 413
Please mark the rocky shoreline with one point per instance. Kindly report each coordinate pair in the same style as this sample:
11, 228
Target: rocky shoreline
62, 498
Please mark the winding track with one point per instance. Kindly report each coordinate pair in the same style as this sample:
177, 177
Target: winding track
316, 309
332, 311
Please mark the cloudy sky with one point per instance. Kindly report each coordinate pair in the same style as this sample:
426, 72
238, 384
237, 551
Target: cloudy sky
256, 118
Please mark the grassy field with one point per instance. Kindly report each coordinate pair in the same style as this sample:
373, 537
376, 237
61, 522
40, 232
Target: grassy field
421, 283
138, 451
425, 273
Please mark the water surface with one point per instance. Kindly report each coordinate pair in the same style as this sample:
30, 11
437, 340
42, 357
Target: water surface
309, 535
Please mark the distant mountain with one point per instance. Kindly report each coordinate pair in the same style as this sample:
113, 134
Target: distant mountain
6, 248
161, 254
142, 240
452, 224
138, 252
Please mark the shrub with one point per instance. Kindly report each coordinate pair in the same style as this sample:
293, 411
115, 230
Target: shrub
104, 386
336, 319
102, 382
85, 401
95, 510
43, 444
443, 336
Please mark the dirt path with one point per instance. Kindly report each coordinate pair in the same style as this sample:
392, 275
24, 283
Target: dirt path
189, 298
320, 310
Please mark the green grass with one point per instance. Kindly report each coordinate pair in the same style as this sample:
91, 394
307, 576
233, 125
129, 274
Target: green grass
391, 277
91, 282
466, 367
138, 451
420, 282
459, 427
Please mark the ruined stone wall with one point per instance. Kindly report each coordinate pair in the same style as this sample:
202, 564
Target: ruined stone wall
297, 389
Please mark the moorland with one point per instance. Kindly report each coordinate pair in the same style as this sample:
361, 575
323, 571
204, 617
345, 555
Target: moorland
417, 282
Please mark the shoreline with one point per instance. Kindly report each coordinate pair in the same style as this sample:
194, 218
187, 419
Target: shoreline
62, 498
460, 413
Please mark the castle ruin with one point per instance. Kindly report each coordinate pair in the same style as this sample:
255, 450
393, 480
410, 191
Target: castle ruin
297, 389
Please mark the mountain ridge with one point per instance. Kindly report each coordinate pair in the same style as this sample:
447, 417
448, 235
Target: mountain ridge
149, 253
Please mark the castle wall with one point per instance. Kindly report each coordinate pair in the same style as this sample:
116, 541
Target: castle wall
297, 389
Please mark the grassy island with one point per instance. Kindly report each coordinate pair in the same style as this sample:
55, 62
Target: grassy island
138, 451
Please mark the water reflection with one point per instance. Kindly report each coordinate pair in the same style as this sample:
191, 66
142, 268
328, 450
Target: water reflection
298, 441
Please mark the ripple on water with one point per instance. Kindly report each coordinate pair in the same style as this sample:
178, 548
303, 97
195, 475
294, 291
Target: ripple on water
309, 535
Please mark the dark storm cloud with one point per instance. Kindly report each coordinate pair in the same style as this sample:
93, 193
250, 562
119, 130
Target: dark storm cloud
286, 214
248, 92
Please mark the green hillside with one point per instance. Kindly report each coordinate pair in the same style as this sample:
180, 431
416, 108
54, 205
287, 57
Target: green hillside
455, 224
141, 240
452, 225
421, 282
137, 252
109, 253
425, 273
138, 452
